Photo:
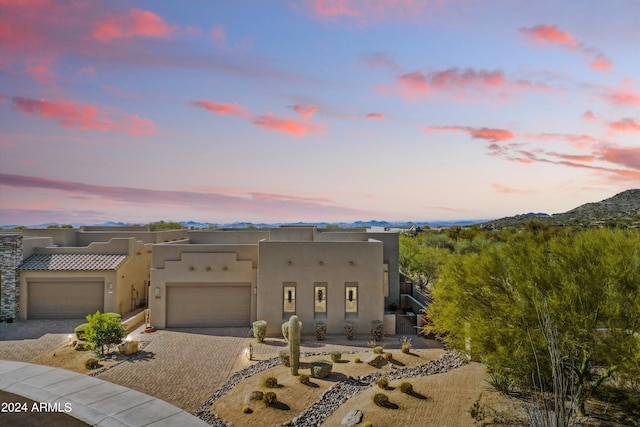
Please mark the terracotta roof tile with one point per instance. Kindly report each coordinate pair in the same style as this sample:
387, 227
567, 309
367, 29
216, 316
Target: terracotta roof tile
73, 262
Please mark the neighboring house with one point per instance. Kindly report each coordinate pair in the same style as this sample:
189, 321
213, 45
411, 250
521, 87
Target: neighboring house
212, 278
234, 277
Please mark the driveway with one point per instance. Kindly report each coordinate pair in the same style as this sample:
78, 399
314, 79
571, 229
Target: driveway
25, 340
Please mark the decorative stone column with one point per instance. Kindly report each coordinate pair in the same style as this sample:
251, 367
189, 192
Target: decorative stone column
10, 259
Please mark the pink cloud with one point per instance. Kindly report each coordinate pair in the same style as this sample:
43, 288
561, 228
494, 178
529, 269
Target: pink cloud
381, 60
378, 116
487, 134
549, 34
41, 74
230, 109
629, 157
366, 12
626, 95
553, 35
87, 70
305, 112
589, 115
508, 190
625, 125
132, 23
83, 117
286, 124
218, 35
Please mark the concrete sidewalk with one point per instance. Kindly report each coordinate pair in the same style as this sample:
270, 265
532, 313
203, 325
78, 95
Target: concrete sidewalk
91, 400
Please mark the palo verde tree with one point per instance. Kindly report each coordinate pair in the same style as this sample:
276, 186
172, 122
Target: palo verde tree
488, 305
103, 331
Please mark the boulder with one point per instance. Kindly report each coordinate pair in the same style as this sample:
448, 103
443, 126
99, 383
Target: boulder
321, 369
128, 347
352, 418
375, 360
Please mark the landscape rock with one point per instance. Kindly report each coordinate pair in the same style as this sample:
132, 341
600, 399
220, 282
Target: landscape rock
321, 369
352, 418
254, 396
128, 347
375, 360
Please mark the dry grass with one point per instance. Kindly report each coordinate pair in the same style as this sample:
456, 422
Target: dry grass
456, 392
65, 357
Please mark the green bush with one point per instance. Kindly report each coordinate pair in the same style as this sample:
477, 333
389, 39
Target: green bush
377, 330
91, 363
269, 398
335, 356
79, 330
378, 350
383, 382
303, 378
320, 330
285, 331
349, 330
381, 399
270, 382
103, 331
285, 357
406, 388
246, 409
259, 330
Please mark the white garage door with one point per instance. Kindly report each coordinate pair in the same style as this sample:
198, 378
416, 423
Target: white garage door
64, 300
207, 305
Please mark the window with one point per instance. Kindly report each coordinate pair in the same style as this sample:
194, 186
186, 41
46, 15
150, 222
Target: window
320, 298
385, 279
351, 298
289, 298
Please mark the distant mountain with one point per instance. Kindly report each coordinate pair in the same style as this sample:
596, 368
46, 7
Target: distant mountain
623, 209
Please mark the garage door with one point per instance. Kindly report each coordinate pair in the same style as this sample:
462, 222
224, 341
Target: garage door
64, 300
207, 305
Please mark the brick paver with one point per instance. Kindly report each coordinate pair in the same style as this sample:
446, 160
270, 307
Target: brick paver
181, 367
25, 340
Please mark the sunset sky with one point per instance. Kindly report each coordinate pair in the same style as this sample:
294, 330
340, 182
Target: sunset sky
319, 110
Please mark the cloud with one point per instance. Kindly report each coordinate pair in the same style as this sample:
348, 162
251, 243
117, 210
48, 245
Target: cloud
83, 117
488, 134
378, 116
264, 204
218, 35
230, 109
286, 124
629, 157
304, 111
41, 74
625, 125
366, 12
589, 115
625, 95
380, 60
508, 190
553, 35
132, 23
87, 70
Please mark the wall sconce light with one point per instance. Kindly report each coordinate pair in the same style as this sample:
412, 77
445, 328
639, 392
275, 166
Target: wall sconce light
157, 292
110, 288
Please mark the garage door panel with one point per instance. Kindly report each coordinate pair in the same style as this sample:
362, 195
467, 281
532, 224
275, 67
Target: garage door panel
64, 300
216, 305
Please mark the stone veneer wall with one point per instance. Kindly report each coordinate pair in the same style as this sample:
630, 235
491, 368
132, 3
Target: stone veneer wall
10, 259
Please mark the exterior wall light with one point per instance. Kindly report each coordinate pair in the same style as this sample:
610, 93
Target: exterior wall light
110, 288
157, 292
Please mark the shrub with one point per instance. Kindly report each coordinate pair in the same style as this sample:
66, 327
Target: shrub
349, 330
388, 356
381, 399
405, 344
103, 331
259, 330
320, 330
336, 356
383, 382
501, 382
378, 350
367, 424
285, 357
92, 363
285, 331
79, 330
377, 330
357, 360
270, 382
269, 398
406, 388
303, 378
246, 409
406, 349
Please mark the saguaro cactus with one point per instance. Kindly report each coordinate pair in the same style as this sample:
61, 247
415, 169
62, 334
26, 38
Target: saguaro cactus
294, 344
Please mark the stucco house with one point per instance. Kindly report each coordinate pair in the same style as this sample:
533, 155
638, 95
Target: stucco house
209, 278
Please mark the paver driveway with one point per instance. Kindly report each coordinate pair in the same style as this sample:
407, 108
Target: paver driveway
25, 340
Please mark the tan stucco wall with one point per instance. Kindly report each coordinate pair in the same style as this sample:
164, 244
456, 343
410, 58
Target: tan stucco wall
60, 236
132, 277
300, 262
229, 237
200, 264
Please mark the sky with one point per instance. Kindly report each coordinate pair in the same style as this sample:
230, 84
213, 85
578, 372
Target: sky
315, 110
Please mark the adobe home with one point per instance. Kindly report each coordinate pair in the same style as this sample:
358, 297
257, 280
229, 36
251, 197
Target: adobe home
209, 278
